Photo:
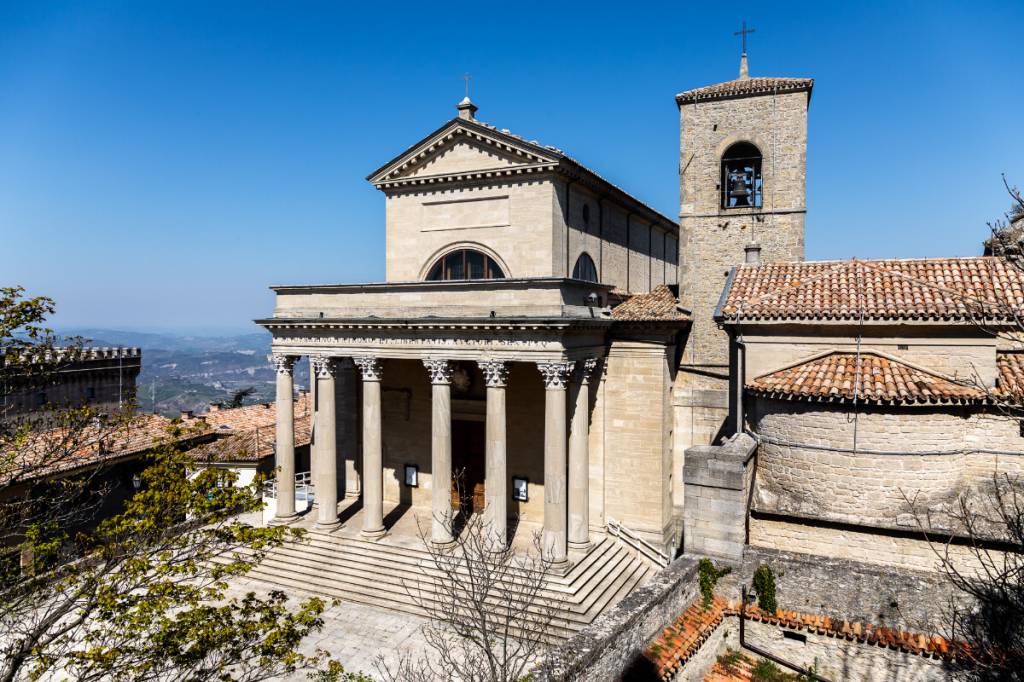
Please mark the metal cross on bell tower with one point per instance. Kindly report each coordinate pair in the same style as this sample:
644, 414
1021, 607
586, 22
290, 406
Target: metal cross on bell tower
743, 57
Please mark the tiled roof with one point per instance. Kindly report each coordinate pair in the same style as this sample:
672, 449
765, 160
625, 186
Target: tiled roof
882, 381
932, 646
247, 434
249, 445
682, 639
745, 86
64, 451
659, 304
947, 289
1011, 374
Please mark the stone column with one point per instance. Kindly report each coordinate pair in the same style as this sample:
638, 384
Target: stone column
373, 459
441, 450
284, 451
326, 482
496, 473
579, 461
555, 376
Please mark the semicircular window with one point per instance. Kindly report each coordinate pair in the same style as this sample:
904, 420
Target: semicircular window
585, 268
464, 264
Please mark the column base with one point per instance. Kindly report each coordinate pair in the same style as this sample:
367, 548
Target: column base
560, 567
580, 546
284, 520
373, 534
329, 525
444, 544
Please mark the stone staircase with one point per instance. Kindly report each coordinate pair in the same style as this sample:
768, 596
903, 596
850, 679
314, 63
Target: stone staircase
383, 575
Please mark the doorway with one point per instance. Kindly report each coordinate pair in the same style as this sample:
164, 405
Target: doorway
468, 466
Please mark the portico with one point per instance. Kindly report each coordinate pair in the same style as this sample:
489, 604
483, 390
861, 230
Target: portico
402, 362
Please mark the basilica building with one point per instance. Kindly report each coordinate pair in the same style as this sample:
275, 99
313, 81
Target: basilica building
547, 349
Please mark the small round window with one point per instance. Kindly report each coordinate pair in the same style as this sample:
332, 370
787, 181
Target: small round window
465, 264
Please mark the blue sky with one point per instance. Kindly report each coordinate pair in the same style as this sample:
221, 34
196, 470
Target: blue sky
162, 163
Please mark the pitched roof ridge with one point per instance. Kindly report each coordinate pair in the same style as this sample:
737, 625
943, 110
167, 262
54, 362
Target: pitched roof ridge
872, 352
953, 292
787, 288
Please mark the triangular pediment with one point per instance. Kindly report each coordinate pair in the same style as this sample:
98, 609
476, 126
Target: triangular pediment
462, 148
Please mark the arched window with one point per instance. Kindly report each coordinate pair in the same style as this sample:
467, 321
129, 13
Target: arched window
585, 268
465, 264
741, 176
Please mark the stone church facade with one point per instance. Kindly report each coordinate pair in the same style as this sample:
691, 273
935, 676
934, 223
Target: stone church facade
555, 351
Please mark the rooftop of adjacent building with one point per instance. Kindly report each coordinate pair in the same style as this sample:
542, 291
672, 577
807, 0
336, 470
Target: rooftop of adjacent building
963, 290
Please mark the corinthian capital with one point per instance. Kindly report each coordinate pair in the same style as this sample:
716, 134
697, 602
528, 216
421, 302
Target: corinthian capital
369, 368
440, 371
324, 366
495, 372
284, 364
587, 370
555, 374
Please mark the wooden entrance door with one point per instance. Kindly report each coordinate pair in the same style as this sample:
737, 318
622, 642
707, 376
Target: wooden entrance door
468, 457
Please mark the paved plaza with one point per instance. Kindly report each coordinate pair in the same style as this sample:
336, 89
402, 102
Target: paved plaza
355, 634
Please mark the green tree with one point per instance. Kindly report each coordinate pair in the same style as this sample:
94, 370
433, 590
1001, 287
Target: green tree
143, 594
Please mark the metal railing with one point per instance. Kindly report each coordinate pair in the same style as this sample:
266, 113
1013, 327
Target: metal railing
303, 487
637, 544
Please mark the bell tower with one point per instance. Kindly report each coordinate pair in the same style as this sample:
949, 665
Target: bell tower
742, 182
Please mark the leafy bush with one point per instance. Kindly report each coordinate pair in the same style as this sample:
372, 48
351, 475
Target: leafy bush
764, 585
708, 576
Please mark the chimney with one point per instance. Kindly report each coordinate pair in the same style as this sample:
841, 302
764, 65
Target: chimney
467, 110
753, 253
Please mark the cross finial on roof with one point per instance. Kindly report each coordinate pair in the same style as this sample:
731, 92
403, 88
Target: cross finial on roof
744, 74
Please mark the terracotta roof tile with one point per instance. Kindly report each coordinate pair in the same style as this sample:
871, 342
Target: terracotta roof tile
659, 304
1011, 373
948, 289
745, 86
834, 377
678, 642
247, 434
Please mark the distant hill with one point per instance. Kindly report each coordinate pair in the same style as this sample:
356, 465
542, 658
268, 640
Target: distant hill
188, 372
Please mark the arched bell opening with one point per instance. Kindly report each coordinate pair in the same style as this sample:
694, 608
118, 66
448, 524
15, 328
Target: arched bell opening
741, 182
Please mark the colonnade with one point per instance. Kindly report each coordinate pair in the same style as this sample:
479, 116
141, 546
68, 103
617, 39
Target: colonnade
566, 451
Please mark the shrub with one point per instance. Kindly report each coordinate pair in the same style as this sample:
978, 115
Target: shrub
708, 576
764, 585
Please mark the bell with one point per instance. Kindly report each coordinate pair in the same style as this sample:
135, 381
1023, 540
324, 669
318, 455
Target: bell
738, 185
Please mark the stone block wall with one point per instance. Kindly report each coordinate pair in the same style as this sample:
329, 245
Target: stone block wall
712, 239
841, 660
612, 645
637, 440
717, 482
808, 466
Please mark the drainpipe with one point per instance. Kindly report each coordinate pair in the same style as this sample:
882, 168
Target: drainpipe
740, 379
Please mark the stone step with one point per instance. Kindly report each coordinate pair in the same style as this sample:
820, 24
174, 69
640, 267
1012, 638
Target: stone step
371, 574
374, 563
414, 554
559, 628
382, 575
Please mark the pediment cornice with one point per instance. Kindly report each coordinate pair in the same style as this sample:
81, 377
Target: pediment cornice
521, 156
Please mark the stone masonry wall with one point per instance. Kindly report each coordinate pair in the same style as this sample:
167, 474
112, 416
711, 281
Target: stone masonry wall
822, 478
637, 443
713, 239
840, 660
610, 646
716, 481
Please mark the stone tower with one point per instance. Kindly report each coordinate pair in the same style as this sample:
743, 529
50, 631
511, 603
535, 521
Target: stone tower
742, 181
